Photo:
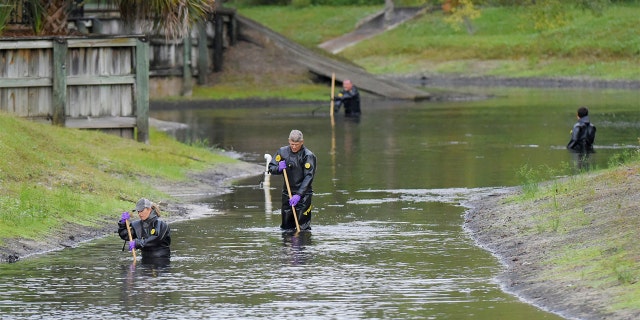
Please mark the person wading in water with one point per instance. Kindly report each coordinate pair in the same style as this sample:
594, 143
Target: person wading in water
298, 164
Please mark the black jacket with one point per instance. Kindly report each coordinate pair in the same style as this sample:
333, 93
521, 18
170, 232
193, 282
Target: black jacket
350, 99
301, 168
152, 236
583, 136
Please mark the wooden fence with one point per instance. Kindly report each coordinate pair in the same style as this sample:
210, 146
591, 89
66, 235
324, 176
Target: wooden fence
78, 82
174, 65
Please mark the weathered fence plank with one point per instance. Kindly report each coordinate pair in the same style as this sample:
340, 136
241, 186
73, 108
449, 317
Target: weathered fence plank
89, 83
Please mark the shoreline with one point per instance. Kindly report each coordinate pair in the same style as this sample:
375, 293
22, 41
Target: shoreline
213, 182
552, 268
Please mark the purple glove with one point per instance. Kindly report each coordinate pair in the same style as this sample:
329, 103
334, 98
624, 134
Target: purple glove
294, 200
125, 216
282, 165
132, 245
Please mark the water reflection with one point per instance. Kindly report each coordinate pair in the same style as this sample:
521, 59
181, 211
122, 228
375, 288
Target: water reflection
387, 241
295, 244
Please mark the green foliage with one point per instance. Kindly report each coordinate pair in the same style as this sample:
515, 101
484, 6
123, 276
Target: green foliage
5, 15
463, 14
37, 13
624, 157
300, 3
529, 178
547, 14
596, 7
506, 43
52, 176
625, 271
532, 177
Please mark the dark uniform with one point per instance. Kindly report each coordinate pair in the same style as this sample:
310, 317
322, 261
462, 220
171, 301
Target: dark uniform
350, 99
301, 168
583, 135
152, 236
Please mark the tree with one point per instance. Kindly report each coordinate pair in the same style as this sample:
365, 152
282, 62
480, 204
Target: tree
461, 12
172, 17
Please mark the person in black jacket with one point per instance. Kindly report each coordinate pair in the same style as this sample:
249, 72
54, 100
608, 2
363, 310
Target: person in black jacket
300, 165
349, 97
150, 234
583, 133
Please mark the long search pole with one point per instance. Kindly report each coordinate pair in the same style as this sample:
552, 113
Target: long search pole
130, 239
333, 89
295, 215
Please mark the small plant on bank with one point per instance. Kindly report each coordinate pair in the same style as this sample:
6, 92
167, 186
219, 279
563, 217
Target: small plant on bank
531, 178
625, 272
624, 157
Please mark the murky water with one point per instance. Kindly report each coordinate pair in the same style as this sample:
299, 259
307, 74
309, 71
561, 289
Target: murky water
387, 241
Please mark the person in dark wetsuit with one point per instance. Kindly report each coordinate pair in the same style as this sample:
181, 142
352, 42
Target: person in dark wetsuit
583, 133
150, 234
583, 136
300, 164
349, 97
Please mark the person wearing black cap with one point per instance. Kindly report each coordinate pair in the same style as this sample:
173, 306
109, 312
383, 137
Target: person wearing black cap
150, 234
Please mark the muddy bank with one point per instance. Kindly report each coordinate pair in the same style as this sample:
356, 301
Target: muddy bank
554, 266
184, 206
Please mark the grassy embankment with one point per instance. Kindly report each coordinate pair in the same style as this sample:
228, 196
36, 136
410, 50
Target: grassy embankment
505, 44
586, 230
52, 176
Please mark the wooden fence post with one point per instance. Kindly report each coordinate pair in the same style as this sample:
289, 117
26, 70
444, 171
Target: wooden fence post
142, 89
187, 77
217, 42
203, 54
59, 81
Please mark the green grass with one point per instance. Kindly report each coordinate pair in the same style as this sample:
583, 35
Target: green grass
591, 219
53, 176
309, 26
505, 42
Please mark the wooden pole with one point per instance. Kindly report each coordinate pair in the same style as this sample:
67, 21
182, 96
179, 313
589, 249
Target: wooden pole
59, 83
333, 89
295, 215
130, 239
142, 90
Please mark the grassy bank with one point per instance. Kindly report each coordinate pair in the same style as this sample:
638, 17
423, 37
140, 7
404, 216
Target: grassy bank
576, 239
505, 42
53, 176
